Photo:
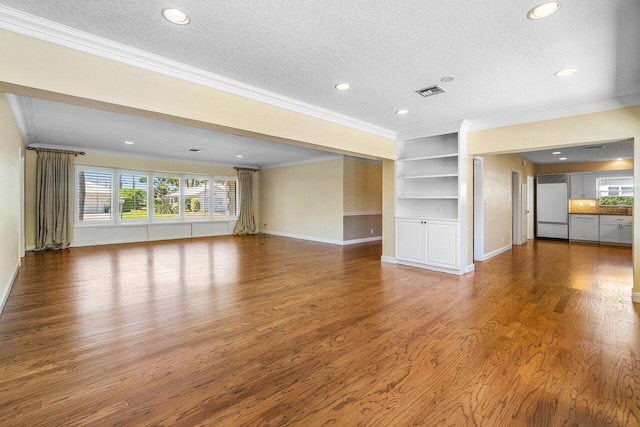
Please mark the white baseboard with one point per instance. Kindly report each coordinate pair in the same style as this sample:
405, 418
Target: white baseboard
7, 289
635, 297
365, 240
470, 268
30, 248
390, 260
301, 237
494, 253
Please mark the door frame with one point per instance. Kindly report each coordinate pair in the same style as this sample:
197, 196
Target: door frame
516, 207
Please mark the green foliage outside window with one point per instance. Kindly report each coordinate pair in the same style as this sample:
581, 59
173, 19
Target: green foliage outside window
616, 201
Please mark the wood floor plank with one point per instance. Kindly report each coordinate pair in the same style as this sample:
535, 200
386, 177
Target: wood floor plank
268, 331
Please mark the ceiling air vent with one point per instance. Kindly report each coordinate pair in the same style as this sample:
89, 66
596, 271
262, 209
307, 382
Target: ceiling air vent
195, 150
591, 147
430, 91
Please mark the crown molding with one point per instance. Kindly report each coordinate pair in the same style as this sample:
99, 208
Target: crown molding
144, 156
556, 113
42, 29
22, 110
433, 130
303, 162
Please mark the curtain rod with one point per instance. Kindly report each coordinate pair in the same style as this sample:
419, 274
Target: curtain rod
51, 150
245, 169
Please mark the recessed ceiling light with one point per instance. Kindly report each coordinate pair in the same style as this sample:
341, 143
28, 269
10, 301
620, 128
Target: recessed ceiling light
239, 156
557, 152
447, 79
566, 72
402, 111
619, 159
543, 10
343, 86
562, 158
176, 16
129, 142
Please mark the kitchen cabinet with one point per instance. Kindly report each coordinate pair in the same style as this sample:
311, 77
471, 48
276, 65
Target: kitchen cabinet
584, 227
428, 243
583, 186
616, 229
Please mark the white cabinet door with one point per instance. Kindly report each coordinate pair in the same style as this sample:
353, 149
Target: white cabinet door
442, 244
589, 188
584, 227
626, 231
609, 232
410, 240
577, 185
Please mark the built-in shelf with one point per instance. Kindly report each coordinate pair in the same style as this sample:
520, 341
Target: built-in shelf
429, 197
439, 156
430, 206
443, 175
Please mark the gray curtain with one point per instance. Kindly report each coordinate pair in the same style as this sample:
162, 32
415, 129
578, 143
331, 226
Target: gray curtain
54, 195
246, 224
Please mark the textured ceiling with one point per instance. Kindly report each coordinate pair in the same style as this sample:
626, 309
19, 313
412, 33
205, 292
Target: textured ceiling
586, 153
54, 124
503, 63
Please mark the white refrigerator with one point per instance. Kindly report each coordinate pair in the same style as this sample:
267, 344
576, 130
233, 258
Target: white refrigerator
552, 207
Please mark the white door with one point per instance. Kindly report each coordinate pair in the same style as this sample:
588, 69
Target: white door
530, 219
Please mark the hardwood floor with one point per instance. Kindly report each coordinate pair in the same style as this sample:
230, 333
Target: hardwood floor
269, 331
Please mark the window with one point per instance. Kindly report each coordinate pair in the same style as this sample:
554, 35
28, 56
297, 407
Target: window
94, 189
225, 197
132, 194
616, 191
112, 196
196, 197
166, 197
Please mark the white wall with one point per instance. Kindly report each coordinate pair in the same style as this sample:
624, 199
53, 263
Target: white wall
10, 228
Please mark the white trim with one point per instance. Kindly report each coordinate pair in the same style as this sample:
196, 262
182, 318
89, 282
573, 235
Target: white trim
431, 267
42, 29
144, 156
494, 253
30, 248
7, 289
301, 237
365, 240
556, 113
478, 208
302, 162
362, 213
22, 110
635, 297
389, 259
435, 130
470, 268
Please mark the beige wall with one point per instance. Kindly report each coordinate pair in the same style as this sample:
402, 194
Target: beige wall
388, 209
362, 193
612, 165
497, 194
130, 163
612, 125
362, 186
10, 146
304, 200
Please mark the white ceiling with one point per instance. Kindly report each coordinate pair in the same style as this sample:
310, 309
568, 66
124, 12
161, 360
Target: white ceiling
54, 124
580, 154
503, 62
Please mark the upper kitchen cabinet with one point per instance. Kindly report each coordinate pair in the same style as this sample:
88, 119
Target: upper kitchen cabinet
583, 186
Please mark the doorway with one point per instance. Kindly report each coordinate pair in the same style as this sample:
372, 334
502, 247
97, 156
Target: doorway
530, 219
516, 208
